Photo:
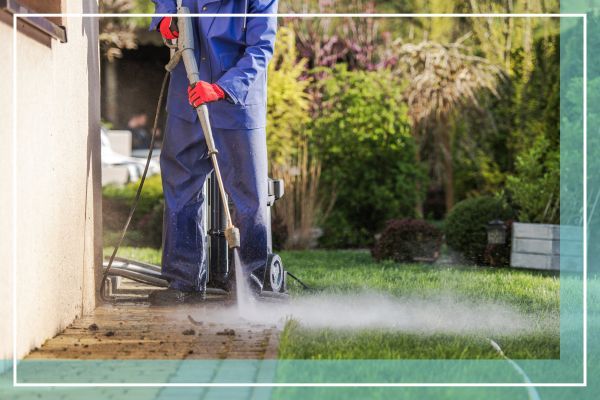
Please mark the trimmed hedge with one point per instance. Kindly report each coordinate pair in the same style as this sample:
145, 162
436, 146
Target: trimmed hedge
466, 225
407, 240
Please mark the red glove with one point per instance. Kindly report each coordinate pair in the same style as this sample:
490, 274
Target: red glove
204, 92
168, 28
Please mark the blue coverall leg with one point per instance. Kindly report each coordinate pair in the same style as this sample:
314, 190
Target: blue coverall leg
185, 166
245, 175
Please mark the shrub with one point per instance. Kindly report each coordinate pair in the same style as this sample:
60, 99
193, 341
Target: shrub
288, 100
535, 187
466, 225
146, 225
408, 240
340, 232
151, 194
363, 139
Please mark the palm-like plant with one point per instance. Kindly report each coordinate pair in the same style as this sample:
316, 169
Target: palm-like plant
441, 80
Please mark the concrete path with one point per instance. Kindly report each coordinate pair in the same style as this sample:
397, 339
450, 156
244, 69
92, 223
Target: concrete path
133, 342
137, 331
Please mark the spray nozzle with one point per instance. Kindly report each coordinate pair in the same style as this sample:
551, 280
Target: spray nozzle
232, 235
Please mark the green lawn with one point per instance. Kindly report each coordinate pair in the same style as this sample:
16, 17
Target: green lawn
533, 293
301, 343
350, 270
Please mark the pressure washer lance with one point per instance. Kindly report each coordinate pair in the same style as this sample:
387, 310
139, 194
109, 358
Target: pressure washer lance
184, 50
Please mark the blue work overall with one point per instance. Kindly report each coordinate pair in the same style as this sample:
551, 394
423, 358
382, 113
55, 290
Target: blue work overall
234, 53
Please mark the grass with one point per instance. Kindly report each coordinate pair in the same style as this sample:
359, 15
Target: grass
351, 270
341, 271
530, 292
301, 343
144, 254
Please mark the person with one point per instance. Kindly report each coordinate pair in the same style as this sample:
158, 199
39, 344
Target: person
140, 137
232, 54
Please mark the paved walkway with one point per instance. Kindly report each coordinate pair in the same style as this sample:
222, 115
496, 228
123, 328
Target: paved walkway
137, 331
130, 341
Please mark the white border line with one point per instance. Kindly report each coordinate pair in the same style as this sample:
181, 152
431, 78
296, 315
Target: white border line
311, 15
314, 15
185, 385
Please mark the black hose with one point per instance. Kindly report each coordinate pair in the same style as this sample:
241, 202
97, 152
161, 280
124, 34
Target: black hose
304, 285
140, 187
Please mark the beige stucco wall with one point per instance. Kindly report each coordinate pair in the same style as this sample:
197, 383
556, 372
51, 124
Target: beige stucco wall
58, 240
5, 199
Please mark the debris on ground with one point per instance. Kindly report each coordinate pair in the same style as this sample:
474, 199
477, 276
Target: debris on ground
193, 321
144, 333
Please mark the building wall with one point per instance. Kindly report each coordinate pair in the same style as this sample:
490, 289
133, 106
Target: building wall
58, 196
5, 199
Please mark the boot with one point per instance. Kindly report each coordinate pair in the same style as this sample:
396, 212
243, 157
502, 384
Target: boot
173, 297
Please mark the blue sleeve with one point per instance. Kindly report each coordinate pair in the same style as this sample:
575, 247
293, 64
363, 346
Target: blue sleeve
162, 7
260, 40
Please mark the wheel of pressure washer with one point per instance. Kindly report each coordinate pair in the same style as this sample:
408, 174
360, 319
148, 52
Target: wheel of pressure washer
275, 274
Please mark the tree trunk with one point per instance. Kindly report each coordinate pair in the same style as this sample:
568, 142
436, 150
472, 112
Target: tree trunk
418, 185
111, 81
448, 169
